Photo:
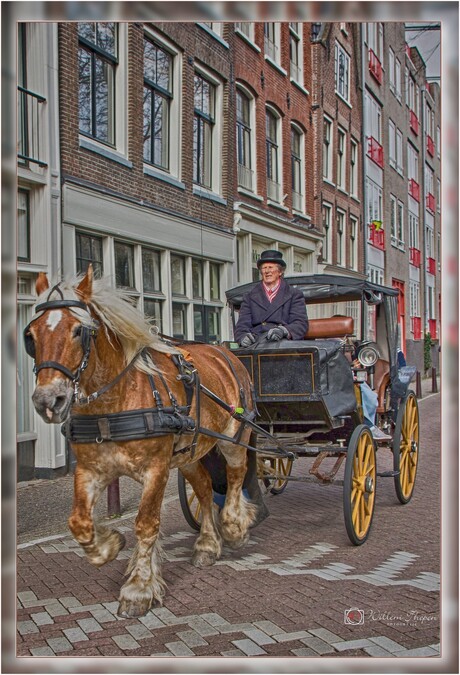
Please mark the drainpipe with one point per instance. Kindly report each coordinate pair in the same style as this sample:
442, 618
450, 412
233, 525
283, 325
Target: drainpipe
364, 162
423, 199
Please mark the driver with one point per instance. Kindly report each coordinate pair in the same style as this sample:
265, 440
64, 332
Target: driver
272, 307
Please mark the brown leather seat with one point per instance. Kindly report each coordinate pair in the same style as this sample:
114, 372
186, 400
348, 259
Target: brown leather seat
332, 327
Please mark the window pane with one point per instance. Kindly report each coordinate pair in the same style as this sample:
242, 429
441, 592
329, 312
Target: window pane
87, 30
177, 275
124, 265
160, 131
104, 101
179, 321
214, 279
152, 310
198, 322
151, 270
197, 278
84, 90
106, 36
89, 250
214, 325
23, 226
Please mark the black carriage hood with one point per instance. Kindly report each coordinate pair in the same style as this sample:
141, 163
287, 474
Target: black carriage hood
325, 287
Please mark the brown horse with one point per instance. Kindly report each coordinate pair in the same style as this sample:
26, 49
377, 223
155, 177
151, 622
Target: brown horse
96, 355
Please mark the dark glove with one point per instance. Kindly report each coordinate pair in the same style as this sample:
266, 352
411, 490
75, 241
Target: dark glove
275, 334
247, 340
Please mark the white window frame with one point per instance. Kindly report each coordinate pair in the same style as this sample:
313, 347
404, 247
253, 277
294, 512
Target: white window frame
300, 206
354, 168
327, 225
374, 201
399, 152
391, 68
414, 230
412, 163
400, 224
252, 126
328, 149
374, 38
217, 133
275, 188
341, 159
342, 90
341, 238
119, 152
296, 70
272, 47
353, 238
414, 298
373, 118
393, 220
438, 141
392, 143
175, 110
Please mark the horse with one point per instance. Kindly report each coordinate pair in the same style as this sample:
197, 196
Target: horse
100, 368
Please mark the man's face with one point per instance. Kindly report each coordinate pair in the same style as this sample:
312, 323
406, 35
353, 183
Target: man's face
271, 272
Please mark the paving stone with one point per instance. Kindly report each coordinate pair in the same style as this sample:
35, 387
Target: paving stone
326, 635
41, 651
125, 642
179, 649
259, 637
269, 627
102, 615
203, 628
27, 596
89, 625
75, 634
303, 651
388, 644
60, 644
375, 650
56, 609
249, 647
151, 621
84, 608
192, 639
41, 618
232, 653
318, 645
139, 631
420, 651
27, 627
214, 619
344, 645
69, 601
160, 655
287, 637
167, 616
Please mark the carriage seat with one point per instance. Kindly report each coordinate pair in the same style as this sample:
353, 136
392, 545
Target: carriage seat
332, 327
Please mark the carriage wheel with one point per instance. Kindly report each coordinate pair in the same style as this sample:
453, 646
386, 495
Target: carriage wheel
190, 505
359, 485
276, 466
406, 447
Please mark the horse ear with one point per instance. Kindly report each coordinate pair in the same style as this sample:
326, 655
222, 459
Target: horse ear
85, 287
42, 283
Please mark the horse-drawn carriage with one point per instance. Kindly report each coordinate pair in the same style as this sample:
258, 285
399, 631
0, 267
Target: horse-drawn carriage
309, 398
134, 403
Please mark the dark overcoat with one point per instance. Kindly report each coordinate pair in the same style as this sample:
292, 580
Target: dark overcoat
258, 314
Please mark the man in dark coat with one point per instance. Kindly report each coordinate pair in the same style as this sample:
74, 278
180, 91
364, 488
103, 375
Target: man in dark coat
272, 307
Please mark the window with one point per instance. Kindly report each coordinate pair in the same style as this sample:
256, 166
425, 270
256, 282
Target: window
374, 36
394, 65
353, 243
179, 320
244, 147
391, 67
354, 169
197, 278
373, 119
341, 159
151, 286
177, 275
214, 282
89, 250
327, 241
413, 231
392, 143
327, 149
124, 265
272, 124
97, 62
438, 195
246, 28
400, 224
399, 152
206, 323
295, 52
412, 163
203, 125
414, 298
342, 72
340, 254
412, 96
23, 231
297, 168
374, 199
158, 88
272, 41
398, 79
376, 275
393, 220
438, 141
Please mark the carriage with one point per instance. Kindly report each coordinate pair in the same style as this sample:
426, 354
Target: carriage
308, 395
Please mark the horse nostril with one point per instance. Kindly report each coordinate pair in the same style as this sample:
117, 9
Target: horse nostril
60, 402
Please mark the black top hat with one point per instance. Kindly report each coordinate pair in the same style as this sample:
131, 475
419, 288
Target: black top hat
271, 257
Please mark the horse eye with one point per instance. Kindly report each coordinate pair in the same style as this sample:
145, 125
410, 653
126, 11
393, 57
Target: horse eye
77, 331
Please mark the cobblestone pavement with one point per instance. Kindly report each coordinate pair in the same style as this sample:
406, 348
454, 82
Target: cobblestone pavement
299, 588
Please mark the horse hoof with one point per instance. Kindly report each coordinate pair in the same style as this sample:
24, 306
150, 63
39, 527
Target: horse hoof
235, 544
203, 559
130, 610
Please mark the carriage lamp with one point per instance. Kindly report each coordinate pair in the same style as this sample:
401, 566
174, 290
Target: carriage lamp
368, 356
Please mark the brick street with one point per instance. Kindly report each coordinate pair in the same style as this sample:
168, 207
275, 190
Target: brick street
285, 595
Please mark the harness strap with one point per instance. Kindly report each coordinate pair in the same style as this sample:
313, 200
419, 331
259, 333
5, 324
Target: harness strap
84, 400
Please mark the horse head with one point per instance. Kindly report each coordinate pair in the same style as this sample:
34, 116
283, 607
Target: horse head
59, 339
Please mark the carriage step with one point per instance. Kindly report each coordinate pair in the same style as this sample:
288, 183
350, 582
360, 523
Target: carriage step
388, 474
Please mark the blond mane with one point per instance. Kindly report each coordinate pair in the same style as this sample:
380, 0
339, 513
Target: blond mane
117, 315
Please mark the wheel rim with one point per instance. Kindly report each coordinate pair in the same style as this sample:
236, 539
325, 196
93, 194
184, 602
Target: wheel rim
271, 467
408, 449
281, 467
363, 485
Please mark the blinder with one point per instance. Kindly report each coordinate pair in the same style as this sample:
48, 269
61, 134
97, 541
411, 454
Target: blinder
87, 333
